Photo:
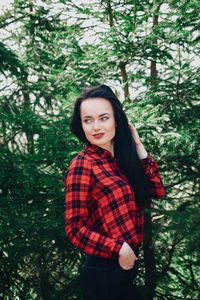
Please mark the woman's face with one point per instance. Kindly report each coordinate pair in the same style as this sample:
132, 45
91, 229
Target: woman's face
98, 122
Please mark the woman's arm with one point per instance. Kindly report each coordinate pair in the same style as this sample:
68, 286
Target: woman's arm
79, 183
156, 187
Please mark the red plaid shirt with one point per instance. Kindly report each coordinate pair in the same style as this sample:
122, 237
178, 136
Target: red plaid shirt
101, 212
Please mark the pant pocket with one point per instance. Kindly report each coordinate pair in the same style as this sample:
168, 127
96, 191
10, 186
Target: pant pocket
133, 269
122, 276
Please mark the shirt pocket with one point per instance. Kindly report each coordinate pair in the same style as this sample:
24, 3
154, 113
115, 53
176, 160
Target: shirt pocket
104, 189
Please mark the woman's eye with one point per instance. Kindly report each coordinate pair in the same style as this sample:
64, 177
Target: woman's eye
104, 118
86, 121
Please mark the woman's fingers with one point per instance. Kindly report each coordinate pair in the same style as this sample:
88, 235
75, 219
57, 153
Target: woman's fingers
134, 133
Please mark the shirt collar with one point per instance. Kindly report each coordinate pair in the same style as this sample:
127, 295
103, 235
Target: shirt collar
94, 149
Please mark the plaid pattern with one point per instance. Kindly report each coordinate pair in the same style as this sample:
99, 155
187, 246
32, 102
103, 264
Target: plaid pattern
101, 212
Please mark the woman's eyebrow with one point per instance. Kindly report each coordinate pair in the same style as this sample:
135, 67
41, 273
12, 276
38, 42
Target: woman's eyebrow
99, 115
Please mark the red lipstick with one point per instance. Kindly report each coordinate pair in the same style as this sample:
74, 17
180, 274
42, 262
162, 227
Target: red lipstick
98, 135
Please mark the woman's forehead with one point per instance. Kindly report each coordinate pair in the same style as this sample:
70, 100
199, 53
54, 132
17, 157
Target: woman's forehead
95, 106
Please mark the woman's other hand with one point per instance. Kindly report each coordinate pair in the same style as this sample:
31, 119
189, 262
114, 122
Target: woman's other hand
127, 257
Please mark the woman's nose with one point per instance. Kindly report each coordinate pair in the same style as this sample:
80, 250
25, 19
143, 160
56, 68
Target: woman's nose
96, 125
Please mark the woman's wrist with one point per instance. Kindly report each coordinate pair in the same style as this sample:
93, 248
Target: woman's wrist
141, 151
138, 142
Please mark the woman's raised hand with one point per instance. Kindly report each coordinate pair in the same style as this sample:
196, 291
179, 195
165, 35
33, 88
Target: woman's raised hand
135, 134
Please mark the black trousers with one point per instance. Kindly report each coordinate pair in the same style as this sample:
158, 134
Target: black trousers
104, 279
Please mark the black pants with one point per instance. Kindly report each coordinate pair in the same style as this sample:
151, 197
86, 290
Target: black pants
104, 279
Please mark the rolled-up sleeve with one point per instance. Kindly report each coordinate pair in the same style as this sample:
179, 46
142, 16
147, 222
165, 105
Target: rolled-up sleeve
156, 187
79, 185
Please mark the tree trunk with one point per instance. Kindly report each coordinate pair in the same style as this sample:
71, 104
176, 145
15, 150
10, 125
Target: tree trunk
153, 67
149, 258
122, 66
110, 13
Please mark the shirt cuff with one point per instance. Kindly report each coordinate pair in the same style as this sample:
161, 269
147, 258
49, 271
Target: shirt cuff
145, 161
116, 248
149, 165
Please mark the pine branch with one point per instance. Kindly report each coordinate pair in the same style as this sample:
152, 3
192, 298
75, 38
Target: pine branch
11, 22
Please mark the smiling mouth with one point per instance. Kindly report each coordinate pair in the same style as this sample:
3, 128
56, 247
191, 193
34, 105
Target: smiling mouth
98, 136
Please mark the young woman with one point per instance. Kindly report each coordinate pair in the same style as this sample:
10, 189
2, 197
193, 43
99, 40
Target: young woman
108, 184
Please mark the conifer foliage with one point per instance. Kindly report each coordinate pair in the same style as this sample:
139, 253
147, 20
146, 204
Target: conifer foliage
147, 51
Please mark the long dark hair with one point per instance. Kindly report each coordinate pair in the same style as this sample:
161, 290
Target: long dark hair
124, 146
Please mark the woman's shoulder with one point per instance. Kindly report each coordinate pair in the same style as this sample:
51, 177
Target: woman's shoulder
81, 158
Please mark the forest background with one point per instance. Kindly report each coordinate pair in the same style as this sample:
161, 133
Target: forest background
148, 52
